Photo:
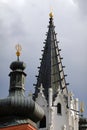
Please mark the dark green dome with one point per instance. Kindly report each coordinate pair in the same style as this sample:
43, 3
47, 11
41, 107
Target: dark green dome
17, 65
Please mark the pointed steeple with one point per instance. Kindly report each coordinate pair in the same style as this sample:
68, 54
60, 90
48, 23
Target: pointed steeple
51, 74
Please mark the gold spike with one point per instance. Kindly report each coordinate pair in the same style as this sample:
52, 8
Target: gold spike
18, 48
81, 107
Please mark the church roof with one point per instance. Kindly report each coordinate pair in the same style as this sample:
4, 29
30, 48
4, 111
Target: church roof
51, 74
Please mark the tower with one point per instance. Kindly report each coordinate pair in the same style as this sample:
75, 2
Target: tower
17, 111
51, 92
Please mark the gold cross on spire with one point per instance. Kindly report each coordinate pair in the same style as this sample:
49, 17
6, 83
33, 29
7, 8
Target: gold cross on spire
18, 48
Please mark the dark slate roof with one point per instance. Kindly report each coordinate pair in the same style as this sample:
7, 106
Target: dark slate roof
51, 72
22, 107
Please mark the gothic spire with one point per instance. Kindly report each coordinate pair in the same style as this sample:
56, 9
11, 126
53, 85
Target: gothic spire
51, 74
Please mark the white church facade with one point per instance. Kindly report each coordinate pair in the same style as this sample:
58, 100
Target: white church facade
58, 116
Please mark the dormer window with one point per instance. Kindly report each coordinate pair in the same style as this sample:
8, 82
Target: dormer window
59, 111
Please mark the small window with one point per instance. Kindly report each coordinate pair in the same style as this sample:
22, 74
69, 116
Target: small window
59, 108
43, 122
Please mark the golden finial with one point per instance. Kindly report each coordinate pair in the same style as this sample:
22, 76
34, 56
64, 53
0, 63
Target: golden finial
18, 48
81, 107
51, 14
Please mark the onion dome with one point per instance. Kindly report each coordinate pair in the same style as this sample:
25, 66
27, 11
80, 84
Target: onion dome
17, 65
19, 106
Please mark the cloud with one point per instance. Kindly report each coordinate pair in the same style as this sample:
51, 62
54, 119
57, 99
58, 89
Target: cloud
82, 4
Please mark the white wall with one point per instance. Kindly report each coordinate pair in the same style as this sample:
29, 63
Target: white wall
67, 120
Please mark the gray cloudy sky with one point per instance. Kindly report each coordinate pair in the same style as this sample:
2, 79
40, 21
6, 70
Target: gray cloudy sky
25, 22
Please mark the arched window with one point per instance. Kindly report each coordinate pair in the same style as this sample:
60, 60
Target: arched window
43, 123
59, 111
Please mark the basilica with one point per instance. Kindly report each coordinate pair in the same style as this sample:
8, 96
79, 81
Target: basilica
52, 106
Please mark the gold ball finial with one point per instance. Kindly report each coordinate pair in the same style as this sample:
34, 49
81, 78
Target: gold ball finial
51, 14
18, 48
